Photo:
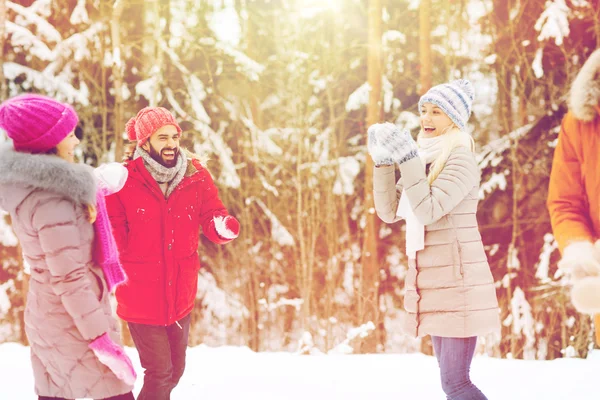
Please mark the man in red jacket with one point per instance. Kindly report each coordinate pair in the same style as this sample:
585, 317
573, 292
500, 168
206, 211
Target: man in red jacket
156, 219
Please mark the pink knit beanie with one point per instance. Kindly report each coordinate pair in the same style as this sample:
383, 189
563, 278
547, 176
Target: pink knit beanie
148, 121
36, 123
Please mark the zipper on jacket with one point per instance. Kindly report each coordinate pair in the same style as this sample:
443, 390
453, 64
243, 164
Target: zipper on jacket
460, 258
457, 249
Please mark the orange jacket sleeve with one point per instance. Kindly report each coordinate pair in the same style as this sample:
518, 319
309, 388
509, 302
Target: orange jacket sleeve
567, 198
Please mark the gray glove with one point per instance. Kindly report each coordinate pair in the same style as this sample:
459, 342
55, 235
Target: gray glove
399, 144
379, 154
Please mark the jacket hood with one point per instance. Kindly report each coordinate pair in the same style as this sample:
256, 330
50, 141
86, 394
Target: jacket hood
584, 99
21, 173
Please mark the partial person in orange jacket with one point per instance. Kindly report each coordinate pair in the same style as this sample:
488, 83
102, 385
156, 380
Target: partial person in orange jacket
574, 192
156, 219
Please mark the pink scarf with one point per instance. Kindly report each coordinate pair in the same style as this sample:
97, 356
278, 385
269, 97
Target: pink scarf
111, 179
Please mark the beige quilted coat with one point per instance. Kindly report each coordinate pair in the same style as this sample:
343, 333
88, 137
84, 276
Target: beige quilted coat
67, 303
450, 291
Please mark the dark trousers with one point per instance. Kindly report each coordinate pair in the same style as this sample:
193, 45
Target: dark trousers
162, 355
454, 357
126, 396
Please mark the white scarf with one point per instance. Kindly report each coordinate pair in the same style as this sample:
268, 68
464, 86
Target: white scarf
429, 151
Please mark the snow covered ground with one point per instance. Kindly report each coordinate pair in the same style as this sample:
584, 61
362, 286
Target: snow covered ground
238, 373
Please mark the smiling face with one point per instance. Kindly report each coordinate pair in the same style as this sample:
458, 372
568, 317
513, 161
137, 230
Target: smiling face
434, 121
163, 145
66, 148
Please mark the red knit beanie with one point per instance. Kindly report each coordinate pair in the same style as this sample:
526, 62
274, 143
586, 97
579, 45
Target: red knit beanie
148, 121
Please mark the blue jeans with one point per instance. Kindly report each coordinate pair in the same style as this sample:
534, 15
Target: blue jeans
454, 357
162, 355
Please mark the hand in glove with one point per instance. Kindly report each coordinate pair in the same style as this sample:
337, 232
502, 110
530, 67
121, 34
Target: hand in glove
579, 260
111, 177
379, 154
399, 144
585, 295
227, 227
114, 357
580, 263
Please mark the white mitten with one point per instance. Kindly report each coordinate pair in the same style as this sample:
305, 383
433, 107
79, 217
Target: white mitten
111, 177
580, 263
379, 154
400, 144
579, 260
585, 295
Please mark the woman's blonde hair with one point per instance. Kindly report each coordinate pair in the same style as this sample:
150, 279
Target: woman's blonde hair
452, 139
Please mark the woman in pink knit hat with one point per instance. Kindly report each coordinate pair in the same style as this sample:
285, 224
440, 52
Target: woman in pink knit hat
68, 320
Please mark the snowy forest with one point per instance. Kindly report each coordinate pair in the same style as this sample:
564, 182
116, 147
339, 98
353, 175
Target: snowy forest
277, 95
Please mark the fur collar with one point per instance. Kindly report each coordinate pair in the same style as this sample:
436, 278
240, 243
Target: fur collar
195, 162
47, 172
584, 98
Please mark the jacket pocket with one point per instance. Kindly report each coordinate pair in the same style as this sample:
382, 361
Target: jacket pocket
187, 281
142, 296
143, 271
100, 288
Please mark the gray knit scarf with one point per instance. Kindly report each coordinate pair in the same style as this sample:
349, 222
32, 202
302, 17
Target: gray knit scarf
162, 174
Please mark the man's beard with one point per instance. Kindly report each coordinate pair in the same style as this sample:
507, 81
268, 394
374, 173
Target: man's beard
158, 157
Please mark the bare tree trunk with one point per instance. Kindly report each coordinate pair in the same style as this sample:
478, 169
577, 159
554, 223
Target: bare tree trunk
425, 46
597, 329
254, 321
596, 19
501, 21
513, 247
252, 279
155, 53
165, 6
503, 73
369, 289
22, 287
564, 337
103, 90
302, 266
117, 70
253, 43
505, 88
3, 10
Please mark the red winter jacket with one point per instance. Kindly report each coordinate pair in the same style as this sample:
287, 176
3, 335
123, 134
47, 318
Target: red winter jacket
158, 242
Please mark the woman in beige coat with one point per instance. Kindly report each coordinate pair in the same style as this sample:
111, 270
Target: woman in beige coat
450, 292
68, 318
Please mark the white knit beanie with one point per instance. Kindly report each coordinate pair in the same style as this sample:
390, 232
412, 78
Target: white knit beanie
454, 98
